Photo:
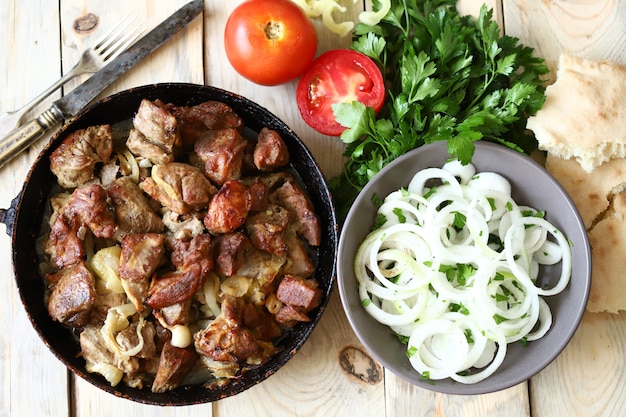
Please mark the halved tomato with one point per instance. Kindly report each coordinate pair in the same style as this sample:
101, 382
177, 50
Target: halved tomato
338, 76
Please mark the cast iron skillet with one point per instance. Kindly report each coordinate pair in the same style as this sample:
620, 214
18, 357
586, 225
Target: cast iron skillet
23, 221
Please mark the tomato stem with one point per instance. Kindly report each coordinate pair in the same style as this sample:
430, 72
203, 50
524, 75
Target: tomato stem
272, 30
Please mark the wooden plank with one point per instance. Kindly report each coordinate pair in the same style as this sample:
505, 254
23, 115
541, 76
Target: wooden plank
582, 380
404, 399
593, 29
34, 383
313, 382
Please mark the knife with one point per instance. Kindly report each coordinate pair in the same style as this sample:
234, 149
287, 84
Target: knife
69, 105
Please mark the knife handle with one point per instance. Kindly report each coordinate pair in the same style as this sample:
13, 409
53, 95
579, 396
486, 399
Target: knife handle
16, 141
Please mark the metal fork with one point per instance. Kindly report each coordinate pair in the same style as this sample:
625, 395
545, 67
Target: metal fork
106, 48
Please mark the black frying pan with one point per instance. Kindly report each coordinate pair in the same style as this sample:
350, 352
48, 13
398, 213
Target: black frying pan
23, 221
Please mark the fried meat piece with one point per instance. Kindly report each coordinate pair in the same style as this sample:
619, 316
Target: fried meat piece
226, 338
86, 208
193, 261
302, 213
222, 153
156, 136
141, 255
209, 115
298, 260
180, 187
302, 293
73, 295
174, 364
229, 208
175, 287
197, 251
299, 297
132, 210
174, 314
258, 193
270, 151
73, 162
230, 252
266, 229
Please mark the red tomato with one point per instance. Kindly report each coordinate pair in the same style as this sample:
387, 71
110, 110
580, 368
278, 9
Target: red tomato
338, 76
270, 42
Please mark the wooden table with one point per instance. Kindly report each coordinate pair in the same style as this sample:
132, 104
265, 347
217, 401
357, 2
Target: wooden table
40, 42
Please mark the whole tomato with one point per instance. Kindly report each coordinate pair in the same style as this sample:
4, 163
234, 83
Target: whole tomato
270, 42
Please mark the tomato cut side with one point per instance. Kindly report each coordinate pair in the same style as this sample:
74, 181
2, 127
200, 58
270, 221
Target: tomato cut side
338, 76
269, 42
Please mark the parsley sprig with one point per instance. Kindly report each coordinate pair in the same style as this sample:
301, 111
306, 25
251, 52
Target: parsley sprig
449, 78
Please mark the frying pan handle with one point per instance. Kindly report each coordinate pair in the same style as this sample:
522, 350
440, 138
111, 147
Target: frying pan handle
7, 216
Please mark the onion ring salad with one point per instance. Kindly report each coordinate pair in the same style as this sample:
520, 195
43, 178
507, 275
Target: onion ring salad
453, 267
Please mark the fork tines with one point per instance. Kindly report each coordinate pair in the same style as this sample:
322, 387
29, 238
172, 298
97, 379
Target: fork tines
118, 38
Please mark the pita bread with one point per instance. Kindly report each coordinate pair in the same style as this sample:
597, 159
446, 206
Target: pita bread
590, 192
601, 201
583, 115
608, 251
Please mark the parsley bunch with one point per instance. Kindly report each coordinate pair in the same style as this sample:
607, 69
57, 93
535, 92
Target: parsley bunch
449, 78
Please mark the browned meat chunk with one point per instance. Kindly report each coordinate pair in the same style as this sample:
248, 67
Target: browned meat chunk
229, 208
261, 323
156, 136
299, 297
302, 213
298, 260
230, 252
73, 296
141, 254
132, 210
105, 299
226, 338
266, 230
86, 207
197, 251
174, 364
222, 153
302, 293
73, 162
259, 195
89, 205
180, 187
210, 115
289, 315
65, 246
174, 314
270, 151
175, 287
193, 260
128, 339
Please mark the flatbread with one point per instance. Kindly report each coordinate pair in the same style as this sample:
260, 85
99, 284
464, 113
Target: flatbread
590, 192
601, 201
583, 115
608, 253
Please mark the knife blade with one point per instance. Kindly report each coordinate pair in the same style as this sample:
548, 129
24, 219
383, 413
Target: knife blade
72, 103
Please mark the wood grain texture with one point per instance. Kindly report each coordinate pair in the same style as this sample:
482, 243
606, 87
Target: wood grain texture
30, 42
592, 29
586, 379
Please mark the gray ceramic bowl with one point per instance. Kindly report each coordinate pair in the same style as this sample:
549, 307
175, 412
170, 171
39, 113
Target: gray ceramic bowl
531, 185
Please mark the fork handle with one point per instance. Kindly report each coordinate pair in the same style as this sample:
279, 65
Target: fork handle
21, 138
